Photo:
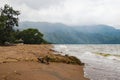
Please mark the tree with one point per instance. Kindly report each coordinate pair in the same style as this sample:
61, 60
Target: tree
8, 19
31, 36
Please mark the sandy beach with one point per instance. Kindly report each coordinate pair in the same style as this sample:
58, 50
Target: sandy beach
20, 63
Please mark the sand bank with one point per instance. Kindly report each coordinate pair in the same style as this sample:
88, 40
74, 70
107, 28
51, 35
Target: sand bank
20, 63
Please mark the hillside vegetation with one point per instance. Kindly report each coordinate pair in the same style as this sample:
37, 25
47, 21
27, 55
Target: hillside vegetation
63, 34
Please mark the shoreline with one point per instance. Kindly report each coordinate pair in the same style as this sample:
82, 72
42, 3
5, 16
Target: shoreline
18, 60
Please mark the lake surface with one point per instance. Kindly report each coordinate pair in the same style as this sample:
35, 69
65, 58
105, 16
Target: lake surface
97, 66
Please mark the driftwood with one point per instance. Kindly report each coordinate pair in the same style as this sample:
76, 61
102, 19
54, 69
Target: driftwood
40, 59
45, 59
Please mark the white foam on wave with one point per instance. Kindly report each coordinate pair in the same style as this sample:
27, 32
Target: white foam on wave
62, 46
89, 53
113, 58
62, 49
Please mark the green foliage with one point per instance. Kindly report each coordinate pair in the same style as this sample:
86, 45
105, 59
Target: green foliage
8, 19
31, 36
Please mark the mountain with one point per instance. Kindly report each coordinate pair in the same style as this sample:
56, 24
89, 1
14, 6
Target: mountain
63, 34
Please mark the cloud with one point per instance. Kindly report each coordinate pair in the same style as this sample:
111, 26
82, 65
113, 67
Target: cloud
36, 4
71, 12
2, 2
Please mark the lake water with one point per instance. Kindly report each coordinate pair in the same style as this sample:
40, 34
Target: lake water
97, 67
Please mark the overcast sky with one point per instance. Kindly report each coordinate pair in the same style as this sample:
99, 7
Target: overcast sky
71, 12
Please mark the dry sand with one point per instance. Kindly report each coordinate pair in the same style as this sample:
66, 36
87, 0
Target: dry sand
20, 63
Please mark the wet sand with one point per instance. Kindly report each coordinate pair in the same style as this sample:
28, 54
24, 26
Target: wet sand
19, 63
37, 71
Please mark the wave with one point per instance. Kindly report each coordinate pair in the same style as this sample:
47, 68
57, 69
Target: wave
109, 56
102, 62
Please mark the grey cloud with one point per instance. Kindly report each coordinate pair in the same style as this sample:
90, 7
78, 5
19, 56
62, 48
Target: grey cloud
71, 12
36, 4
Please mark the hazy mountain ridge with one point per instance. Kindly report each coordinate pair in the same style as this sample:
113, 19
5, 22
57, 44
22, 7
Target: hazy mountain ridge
64, 34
